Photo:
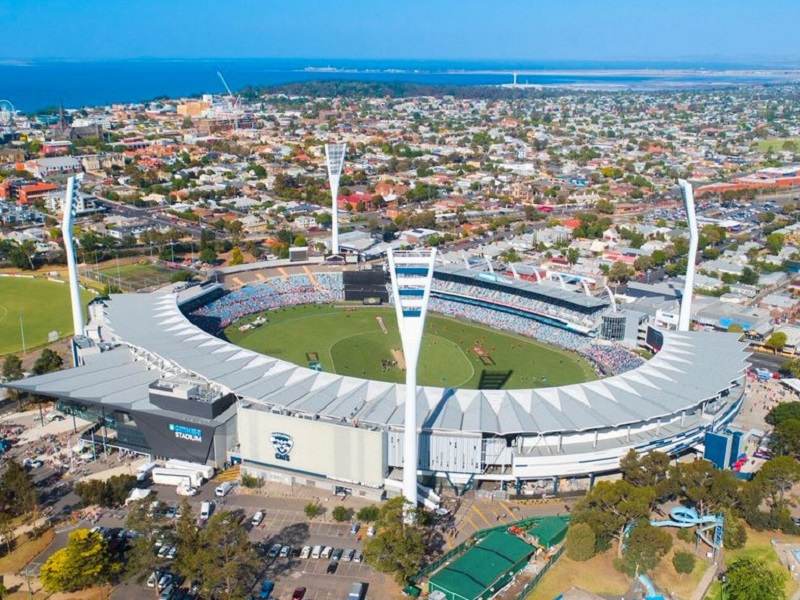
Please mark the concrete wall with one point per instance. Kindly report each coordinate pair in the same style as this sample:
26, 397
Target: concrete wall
316, 448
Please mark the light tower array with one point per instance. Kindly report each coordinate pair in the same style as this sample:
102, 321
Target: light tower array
411, 274
69, 207
334, 157
685, 317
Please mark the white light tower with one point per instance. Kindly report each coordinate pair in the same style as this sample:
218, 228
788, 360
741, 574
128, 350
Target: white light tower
70, 202
688, 288
334, 156
411, 274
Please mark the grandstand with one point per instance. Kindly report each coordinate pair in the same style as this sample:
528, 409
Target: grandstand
347, 432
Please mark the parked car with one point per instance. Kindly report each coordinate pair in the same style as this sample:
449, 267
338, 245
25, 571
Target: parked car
316, 552
371, 531
153, 579
223, 488
354, 528
305, 552
326, 553
348, 555
357, 556
274, 550
332, 567
336, 554
299, 593
257, 518
266, 589
285, 551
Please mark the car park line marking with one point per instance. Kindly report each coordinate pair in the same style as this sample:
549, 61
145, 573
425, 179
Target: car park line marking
481, 515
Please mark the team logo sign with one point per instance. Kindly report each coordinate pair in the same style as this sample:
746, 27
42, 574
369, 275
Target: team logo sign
283, 444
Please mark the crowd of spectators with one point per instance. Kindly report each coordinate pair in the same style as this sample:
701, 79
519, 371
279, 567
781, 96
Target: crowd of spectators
270, 294
512, 300
609, 358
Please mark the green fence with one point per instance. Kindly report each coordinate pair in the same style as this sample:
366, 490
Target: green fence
475, 537
533, 582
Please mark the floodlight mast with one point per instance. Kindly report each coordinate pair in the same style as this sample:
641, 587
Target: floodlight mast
411, 274
69, 205
685, 317
334, 157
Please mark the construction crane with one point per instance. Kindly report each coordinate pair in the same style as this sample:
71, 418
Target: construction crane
232, 100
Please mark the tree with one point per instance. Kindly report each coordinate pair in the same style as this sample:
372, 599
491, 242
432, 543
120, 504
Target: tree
783, 412
47, 362
604, 206
706, 487
398, 546
236, 257
341, 514
645, 548
734, 533
313, 510
368, 514
683, 562
142, 557
12, 368
580, 542
18, 495
610, 506
776, 341
227, 561
645, 469
208, 255
85, 561
748, 276
752, 579
111, 492
777, 476
188, 562
774, 242
619, 272
572, 255
785, 438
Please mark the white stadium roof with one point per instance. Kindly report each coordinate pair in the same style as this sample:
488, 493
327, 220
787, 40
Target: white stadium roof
691, 368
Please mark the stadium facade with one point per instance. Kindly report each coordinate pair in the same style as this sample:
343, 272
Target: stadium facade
166, 386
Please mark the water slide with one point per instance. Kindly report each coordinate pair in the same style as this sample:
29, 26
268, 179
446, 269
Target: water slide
650, 590
685, 517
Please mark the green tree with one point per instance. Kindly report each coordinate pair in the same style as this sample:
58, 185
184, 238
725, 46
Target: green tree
368, 514
12, 367
188, 562
610, 506
228, 562
785, 438
313, 510
774, 243
142, 557
776, 341
236, 256
644, 469
619, 272
748, 276
341, 514
683, 562
18, 495
645, 548
85, 561
208, 255
752, 579
734, 532
47, 362
777, 476
572, 256
783, 412
398, 546
580, 542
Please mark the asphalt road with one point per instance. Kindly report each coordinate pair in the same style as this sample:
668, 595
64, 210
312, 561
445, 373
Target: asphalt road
772, 362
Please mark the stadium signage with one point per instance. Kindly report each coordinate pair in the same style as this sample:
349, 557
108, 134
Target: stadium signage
182, 432
283, 444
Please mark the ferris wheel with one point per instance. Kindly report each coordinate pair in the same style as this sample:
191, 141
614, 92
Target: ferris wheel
7, 112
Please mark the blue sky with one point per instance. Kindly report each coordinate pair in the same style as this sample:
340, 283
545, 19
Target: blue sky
436, 29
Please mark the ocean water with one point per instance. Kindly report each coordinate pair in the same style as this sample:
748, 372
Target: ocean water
33, 85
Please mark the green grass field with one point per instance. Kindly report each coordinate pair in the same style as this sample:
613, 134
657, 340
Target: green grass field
776, 144
133, 276
44, 306
350, 341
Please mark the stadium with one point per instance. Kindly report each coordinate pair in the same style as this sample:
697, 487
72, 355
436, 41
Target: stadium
161, 375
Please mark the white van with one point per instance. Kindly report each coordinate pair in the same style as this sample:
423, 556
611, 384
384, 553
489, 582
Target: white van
315, 553
206, 508
223, 489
